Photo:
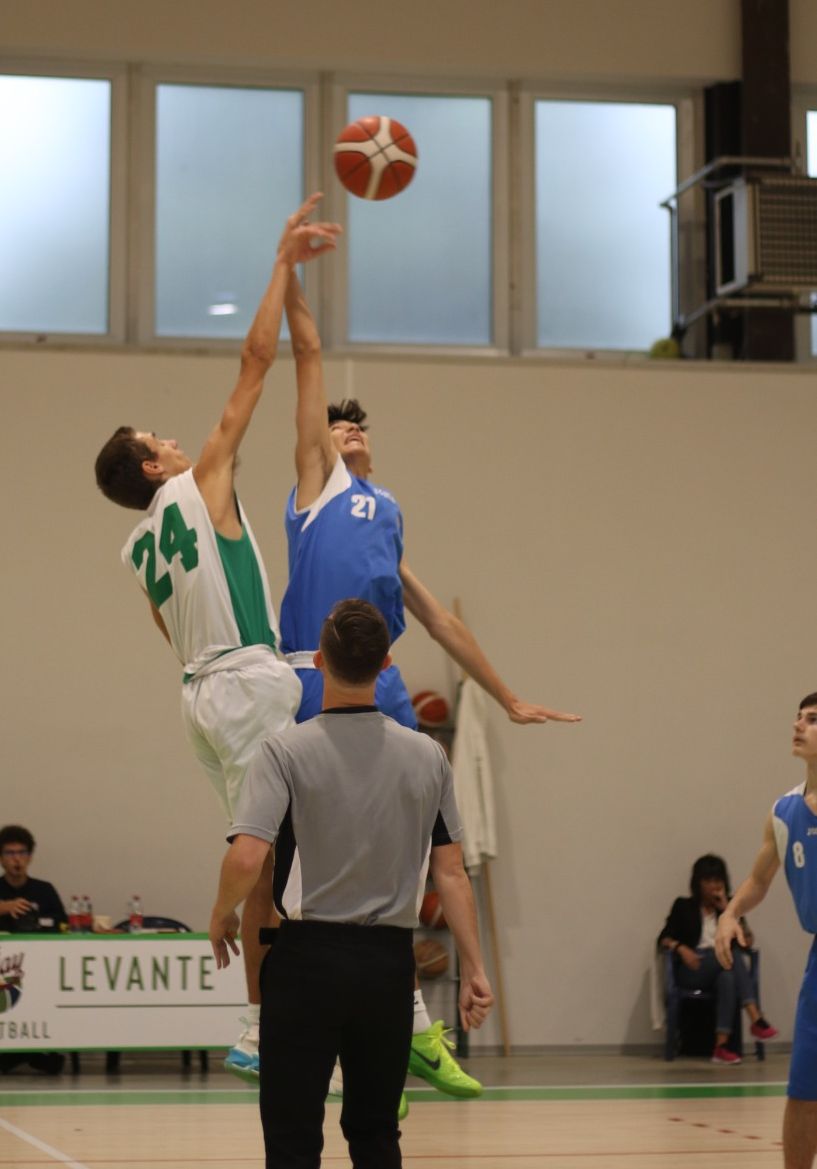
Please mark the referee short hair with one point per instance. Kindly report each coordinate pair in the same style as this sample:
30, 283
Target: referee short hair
355, 641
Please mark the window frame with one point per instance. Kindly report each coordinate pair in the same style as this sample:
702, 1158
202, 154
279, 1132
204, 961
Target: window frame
803, 102
116, 73
143, 225
688, 150
336, 117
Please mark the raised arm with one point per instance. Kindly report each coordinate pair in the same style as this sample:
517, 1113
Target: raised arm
459, 643
457, 901
301, 241
749, 894
315, 452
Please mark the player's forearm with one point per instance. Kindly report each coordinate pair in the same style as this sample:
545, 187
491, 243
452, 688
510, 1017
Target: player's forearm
306, 340
750, 894
261, 343
457, 901
460, 644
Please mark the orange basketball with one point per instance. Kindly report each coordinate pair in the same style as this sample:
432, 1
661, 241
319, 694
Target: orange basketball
431, 912
430, 708
375, 157
430, 958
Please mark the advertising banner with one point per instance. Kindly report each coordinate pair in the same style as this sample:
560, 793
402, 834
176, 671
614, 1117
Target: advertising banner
74, 992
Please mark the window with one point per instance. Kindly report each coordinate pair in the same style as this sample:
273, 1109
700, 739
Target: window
55, 203
811, 166
420, 264
602, 241
229, 169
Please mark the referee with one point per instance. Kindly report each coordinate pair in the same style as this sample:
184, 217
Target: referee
357, 806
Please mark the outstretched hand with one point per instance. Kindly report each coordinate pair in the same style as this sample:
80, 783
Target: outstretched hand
301, 240
527, 712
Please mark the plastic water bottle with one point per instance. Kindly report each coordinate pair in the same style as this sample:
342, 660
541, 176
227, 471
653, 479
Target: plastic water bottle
135, 914
74, 924
87, 914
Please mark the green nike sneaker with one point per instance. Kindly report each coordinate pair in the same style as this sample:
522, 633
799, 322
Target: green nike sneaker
402, 1111
431, 1058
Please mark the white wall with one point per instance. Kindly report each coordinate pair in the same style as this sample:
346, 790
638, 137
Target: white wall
630, 541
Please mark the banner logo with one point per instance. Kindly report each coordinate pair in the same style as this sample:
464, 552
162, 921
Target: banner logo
11, 978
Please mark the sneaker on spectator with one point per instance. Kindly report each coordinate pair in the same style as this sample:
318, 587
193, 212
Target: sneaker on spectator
724, 1055
762, 1029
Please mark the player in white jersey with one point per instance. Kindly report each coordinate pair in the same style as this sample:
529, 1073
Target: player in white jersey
195, 556
319, 565
790, 840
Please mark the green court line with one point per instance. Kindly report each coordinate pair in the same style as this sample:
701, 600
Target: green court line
115, 1097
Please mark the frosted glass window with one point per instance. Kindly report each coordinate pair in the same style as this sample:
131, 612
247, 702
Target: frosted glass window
229, 170
811, 163
602, 241
420, 263
54, 204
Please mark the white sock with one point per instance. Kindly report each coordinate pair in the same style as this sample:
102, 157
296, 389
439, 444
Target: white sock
253, 1014
421, 1019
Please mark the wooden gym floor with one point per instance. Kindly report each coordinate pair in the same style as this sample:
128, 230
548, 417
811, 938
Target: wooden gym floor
555, 1111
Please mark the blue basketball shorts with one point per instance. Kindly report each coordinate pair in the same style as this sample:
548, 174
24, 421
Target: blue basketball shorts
803, 1069
390, 696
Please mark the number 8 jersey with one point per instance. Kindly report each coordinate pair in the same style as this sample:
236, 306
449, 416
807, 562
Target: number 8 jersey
795, 830
212, 593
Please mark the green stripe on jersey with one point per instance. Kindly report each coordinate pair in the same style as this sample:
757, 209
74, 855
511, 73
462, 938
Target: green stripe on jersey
246, 590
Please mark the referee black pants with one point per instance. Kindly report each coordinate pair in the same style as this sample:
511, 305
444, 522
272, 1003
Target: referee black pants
326, 991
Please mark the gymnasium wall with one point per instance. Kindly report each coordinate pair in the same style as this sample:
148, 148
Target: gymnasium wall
633, 541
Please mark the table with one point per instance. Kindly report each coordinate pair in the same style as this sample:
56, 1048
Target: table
124, 992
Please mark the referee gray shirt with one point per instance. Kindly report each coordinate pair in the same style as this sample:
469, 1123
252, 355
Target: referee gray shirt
355, 802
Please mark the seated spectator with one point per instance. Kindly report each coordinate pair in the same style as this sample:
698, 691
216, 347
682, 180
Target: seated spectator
27, 905
689, 933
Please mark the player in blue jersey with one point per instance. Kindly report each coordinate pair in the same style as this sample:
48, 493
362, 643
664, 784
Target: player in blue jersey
345, 538
790, 840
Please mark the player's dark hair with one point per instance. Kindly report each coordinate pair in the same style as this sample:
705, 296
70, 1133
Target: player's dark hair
809, 700
706, 868
348, 410
119, 474
16, 834
354, 641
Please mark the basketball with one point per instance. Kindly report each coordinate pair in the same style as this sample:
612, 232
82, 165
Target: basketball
431, 913
375, 157
430, 708
430, 958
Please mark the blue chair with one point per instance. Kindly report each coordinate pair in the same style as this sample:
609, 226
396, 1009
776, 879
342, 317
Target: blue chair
675, 997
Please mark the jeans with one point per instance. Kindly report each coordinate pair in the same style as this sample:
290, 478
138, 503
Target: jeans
732, 987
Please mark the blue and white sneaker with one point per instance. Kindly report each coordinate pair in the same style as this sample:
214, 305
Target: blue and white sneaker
242, 1060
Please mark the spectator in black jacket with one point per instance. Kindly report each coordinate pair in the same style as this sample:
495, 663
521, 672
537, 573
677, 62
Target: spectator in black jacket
689, 933
26, 904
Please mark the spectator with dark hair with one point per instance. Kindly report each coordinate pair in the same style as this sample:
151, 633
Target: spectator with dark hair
26, 904
689, 933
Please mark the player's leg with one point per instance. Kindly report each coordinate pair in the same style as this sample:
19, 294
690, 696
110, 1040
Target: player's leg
799, 1134
227, 715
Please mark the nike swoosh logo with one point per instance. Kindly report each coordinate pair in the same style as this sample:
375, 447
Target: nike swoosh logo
434, 1064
